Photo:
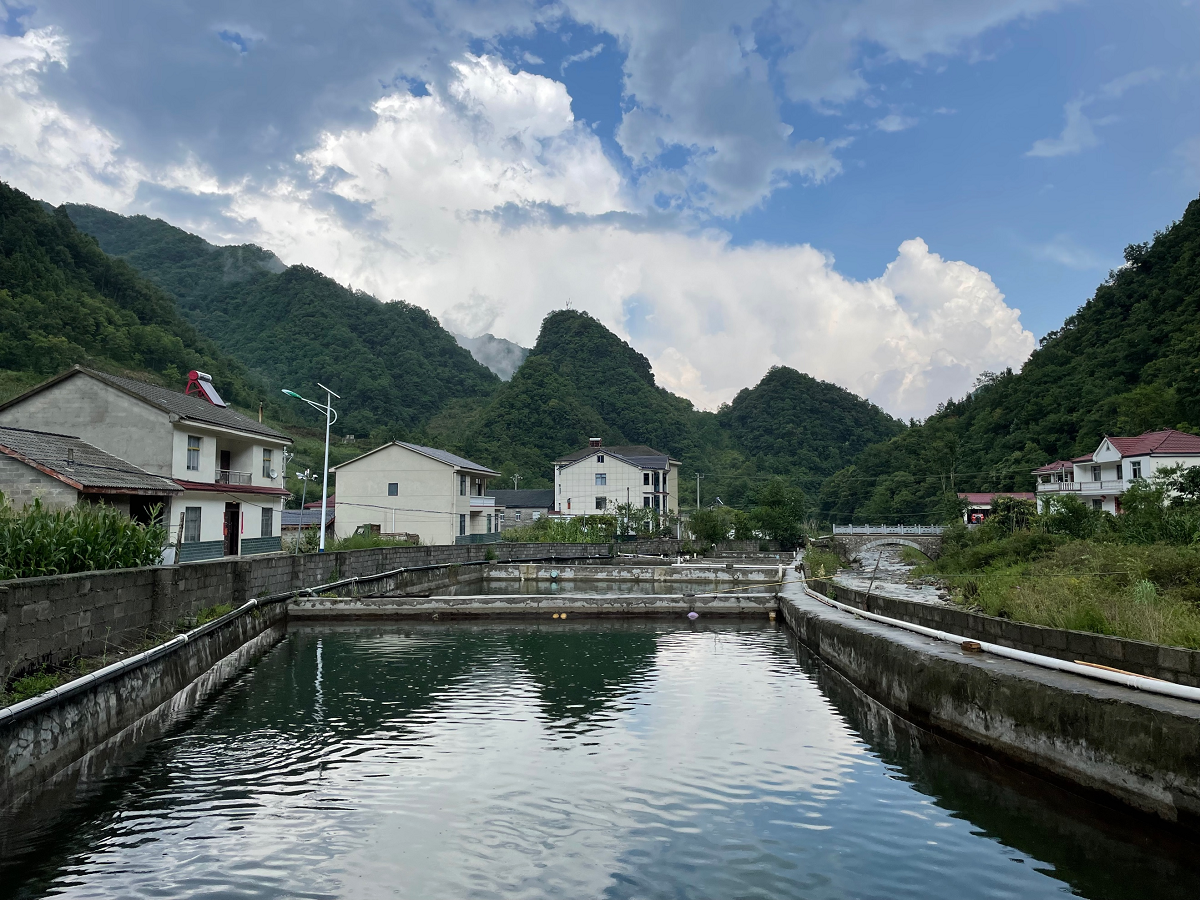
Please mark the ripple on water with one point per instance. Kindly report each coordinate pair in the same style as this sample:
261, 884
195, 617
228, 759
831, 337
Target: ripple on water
618, 762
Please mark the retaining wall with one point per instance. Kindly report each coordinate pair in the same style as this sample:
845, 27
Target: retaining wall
1154, 660
52, 742
1104, 740
51, 620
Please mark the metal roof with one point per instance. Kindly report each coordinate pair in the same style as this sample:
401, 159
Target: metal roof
174, 402
530, 498
304, 518
635, 454
443, 456
79, 464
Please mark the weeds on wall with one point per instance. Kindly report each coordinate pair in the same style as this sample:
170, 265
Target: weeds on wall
38, 541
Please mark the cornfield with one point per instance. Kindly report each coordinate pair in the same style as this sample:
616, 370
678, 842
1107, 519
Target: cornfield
36, 541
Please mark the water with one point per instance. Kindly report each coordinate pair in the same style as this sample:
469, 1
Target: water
884, 571
574, 761
587, 588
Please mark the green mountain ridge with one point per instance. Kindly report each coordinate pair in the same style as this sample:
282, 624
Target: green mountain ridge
393, 363
1128, 361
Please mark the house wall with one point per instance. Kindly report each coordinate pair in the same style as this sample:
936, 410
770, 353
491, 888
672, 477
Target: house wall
427, 502
624, 483
101, 415
212, 523
245, 455
22, 484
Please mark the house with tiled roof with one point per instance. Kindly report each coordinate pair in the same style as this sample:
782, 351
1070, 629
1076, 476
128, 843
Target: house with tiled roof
1101, 477
225, 465
977, 505
596, 479
405, 489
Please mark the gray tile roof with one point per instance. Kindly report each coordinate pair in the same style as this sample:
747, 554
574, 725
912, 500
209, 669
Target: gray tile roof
77, 461
447, 457
635, 454
529, 498
187, 406
304, 518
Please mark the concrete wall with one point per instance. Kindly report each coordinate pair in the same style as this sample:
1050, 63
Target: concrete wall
101, 415
47, 746
21, 484
54, 619
1169, 663
1099, 739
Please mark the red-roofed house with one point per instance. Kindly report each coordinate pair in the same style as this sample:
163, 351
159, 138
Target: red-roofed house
979, 505
1101, 477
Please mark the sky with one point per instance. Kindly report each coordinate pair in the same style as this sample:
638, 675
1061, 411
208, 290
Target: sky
892, 196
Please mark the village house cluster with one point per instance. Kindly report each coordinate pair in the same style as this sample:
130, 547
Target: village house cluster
216, 477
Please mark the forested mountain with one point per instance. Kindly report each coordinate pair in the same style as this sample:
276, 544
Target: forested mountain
393, 363
582, 381
1127, 362
63, 301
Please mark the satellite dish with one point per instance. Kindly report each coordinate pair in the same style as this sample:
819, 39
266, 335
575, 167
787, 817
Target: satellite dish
274, 474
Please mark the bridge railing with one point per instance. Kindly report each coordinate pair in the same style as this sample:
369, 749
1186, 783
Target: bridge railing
887, 529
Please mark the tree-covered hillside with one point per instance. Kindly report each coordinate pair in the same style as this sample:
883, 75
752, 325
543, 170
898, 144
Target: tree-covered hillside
63, 301
393, 363
582, 381
1127, 362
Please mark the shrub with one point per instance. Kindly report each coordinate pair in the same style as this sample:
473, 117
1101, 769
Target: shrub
37, 541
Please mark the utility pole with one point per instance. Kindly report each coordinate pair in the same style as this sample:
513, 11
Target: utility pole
698, 476
515, 479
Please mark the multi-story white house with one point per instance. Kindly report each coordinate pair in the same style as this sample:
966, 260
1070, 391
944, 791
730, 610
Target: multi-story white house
227, 464
598, 478
1100, 478
407, 488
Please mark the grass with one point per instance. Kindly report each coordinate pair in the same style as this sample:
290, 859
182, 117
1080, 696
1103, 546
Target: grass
210, 613
912, 556
1148, 592
821, 562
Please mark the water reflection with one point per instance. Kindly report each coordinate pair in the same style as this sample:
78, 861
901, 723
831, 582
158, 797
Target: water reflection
579, 760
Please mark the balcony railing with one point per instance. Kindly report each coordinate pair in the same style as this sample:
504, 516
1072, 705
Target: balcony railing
477, 502
1110, 486
887, 529
228, 476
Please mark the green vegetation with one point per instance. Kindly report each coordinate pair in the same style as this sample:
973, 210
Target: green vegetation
393, 364
36, 541
627, 522
821, 563
1136, 575
212, 613
63, 301
364, 542
1125, 363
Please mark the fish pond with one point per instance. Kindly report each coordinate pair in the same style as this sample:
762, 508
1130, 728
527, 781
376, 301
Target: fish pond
619, 759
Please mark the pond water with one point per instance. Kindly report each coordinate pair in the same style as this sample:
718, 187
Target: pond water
615, 760
588, 588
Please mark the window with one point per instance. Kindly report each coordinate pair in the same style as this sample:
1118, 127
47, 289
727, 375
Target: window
1135, 470
600, 458
268, 456
656, 502
656, 481
601, 503
517, 516
489, 524
645, 501
477, 488
193, 459
536, 515
1119, 473
601, 479
462, 524
268, 522
393, 488
646, 478
462, 487
1097, 503
1095, 473
191, 524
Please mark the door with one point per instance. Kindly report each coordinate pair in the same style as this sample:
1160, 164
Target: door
233, 527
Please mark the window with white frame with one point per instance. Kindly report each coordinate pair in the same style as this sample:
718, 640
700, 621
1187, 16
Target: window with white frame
268, 522
462, 486
1135, 470
1095, 473
268, 458
193, 455
1097, 503
600, 458
601, 479
191, 524
517, 515
645, 501
601, 503
1120, 472
646, 478
393, 488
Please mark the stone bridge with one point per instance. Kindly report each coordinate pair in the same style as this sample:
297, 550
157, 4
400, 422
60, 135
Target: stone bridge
852, 540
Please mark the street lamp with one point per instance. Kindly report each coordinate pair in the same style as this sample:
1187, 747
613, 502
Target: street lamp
330, 418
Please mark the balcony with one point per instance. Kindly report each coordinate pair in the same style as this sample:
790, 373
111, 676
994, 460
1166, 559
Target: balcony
482, 502
1111, 486
229, 476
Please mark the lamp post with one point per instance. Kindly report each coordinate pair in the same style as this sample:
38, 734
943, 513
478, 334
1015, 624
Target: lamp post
330, 418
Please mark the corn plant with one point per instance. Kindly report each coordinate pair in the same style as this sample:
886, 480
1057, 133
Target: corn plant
38, 541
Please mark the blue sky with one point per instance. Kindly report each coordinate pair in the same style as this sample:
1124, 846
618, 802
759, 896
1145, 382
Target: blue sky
865, 190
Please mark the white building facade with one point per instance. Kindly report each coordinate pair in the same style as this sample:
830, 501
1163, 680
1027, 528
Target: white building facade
596, 480
1100, 478
228, 466
406, 488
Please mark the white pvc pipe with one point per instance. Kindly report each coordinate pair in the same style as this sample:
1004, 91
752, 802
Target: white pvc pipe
1138, 682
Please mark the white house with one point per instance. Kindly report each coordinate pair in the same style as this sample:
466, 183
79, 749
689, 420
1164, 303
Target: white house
403, 487
598, 478
1100, 478
226, 464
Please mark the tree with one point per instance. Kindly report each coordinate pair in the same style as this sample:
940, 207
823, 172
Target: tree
780, 512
